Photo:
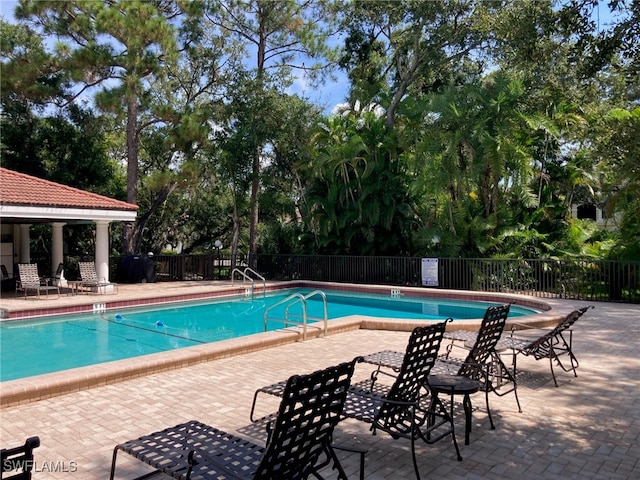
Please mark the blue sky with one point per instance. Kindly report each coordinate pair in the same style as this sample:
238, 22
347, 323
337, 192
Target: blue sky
327, 96
333, 92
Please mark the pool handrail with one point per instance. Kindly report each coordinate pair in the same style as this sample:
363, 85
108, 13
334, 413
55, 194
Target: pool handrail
293, 296
251, 279
294, 299
264, 281
244, 276
304, 299
325, 309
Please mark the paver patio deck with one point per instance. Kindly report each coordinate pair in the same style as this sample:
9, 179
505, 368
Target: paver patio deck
588, 427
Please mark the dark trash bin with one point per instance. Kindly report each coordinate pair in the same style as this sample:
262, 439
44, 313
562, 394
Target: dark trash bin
8, 285
137, 269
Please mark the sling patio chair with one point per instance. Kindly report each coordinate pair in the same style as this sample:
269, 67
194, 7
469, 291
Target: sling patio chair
89, 278
547, 343
298, 445
29, 280
407, 408
481, 370
18, 462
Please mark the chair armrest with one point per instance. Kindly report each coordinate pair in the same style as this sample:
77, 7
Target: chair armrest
459, 346
375, 373
515, 327
522, 326
362, 391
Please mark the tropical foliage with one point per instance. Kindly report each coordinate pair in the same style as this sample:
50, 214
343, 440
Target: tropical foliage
469, 128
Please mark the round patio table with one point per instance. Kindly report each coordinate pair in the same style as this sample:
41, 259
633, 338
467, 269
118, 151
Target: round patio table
457, 385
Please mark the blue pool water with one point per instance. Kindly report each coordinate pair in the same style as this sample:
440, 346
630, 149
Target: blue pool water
52, 344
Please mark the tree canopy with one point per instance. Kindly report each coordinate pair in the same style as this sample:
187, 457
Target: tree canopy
470, 128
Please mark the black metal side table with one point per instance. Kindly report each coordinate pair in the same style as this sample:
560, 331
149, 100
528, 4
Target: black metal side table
457, 385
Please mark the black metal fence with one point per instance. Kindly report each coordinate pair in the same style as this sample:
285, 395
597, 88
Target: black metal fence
598, 280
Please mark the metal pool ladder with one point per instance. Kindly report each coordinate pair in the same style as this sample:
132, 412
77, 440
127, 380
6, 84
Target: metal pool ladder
294, 299
251, 279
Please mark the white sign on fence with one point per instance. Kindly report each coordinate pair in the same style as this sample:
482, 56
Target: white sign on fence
430, 272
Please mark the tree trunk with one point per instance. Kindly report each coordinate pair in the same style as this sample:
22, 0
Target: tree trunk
142, 221
253, 227
235, 237
132, 169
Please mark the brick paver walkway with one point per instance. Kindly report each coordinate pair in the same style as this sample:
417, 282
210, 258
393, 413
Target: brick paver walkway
588, 428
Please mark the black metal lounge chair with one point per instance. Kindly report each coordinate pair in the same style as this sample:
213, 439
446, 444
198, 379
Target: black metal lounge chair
550, 344
483, 362
29, 280
481, 370
18, 461
300, 436
408, 408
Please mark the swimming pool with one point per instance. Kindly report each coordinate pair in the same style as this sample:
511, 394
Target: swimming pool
35, 347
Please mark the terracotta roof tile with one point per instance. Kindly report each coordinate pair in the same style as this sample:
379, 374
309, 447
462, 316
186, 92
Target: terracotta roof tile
24, 190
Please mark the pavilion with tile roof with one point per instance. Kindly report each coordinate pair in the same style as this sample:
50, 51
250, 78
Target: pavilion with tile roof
26, 200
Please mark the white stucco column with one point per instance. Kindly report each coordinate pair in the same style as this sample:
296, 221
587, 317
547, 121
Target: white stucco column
25, 248
102, 249
57, 253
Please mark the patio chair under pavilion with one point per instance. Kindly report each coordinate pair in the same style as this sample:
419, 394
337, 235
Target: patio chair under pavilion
30, 280
89, 278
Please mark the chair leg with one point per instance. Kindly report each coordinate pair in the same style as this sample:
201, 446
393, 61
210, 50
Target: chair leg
574, 363
447, 417
486, 395
455, 442
515, 364
413, 447
336, 463
510, 378
552, 372
515, 394
113, 463
572, 357
566, 348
